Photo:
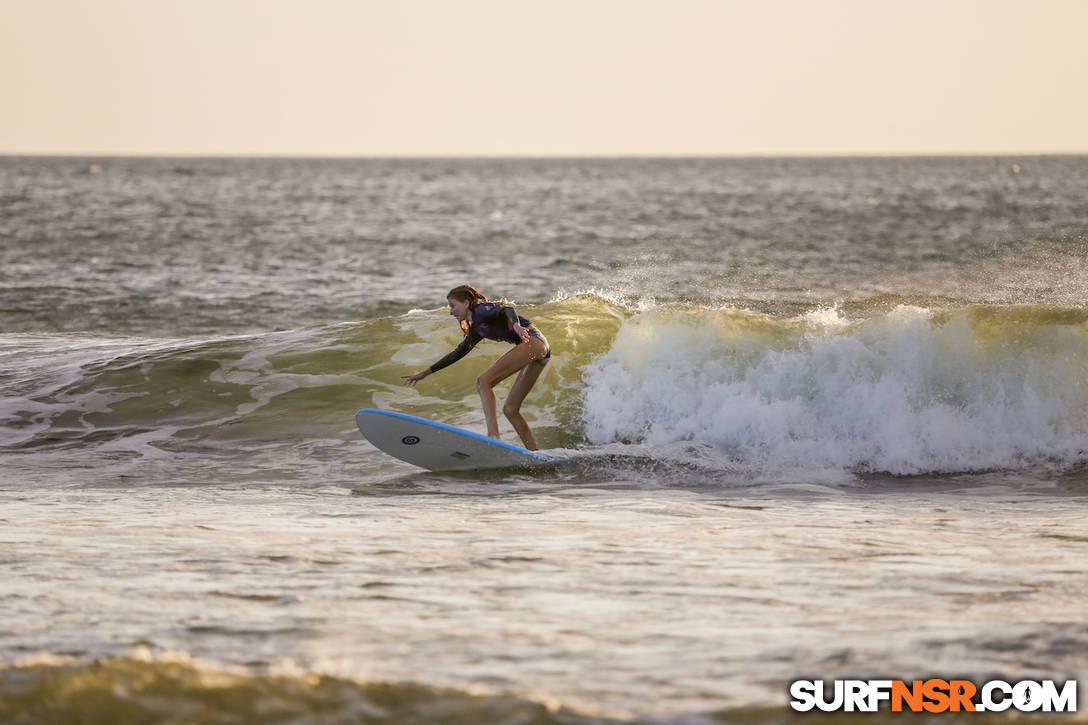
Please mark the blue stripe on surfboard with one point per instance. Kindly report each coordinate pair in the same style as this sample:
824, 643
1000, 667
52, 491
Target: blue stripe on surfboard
460, 431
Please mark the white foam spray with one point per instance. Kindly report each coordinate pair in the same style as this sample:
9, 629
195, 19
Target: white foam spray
907, 392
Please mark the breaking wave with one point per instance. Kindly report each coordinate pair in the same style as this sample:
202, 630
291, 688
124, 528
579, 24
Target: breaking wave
895, 388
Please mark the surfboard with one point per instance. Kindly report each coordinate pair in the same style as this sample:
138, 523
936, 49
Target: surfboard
440, 447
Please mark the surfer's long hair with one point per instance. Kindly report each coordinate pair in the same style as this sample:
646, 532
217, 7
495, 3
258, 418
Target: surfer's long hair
471, 295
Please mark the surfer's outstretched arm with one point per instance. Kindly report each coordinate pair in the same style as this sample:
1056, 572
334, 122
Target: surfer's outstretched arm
456, 354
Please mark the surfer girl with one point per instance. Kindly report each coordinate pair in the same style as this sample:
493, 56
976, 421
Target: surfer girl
480, 320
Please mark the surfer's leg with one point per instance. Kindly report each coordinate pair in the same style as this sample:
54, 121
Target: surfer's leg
512, 407
514, 360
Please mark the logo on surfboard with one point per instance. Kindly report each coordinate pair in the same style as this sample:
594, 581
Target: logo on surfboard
409, 440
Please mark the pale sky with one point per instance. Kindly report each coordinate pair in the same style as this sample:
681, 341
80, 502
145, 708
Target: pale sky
544, 78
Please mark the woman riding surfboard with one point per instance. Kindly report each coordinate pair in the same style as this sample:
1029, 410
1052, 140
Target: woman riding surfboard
479, 320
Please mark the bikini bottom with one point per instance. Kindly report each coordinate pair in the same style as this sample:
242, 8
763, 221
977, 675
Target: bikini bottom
540, 336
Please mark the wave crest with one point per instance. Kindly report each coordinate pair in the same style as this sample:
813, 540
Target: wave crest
907, 392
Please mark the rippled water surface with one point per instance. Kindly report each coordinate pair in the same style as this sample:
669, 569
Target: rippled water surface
819, 418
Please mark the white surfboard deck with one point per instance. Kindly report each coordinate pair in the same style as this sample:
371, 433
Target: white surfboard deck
440, 447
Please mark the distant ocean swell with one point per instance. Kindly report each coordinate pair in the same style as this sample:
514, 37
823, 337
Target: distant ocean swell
899, 389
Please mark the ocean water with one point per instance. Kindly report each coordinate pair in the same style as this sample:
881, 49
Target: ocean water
822, 418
